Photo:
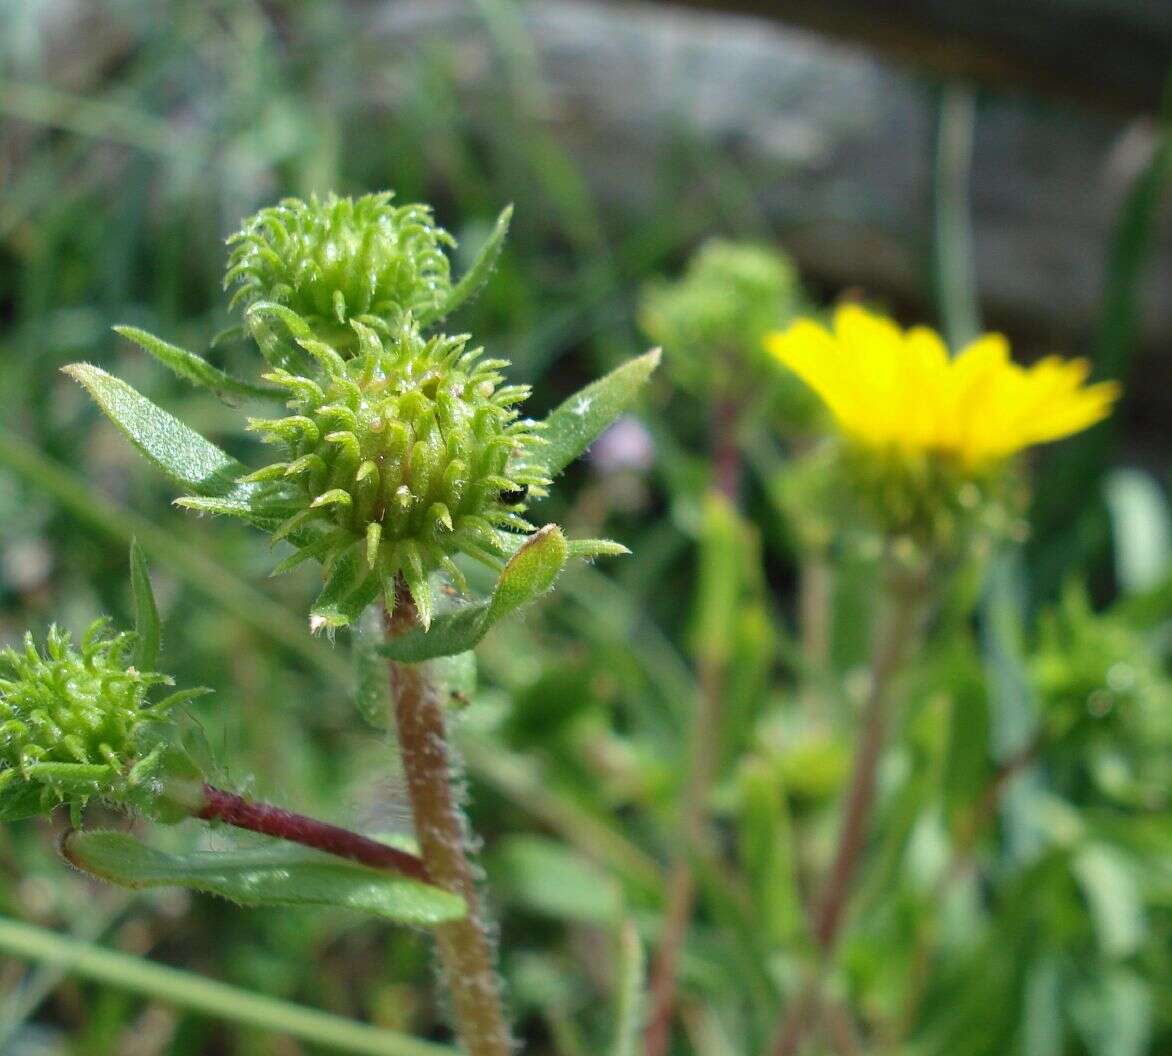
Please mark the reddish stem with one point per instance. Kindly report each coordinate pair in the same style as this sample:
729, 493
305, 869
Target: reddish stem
296, 828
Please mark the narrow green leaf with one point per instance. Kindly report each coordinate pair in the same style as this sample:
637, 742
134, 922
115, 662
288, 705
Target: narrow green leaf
530, 572
767, 851
180, 452
146, 612
267, 518
477, 275
1109, 885
194, 368
589, 549
630, 983
571, 428
350, 588
550, 879
269, 876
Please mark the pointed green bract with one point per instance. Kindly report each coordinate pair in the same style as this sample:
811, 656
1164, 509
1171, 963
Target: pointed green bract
193, 368
349, 589
146, 611
270, 876
477, 275
577, 423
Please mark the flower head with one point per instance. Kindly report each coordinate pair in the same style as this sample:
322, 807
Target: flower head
712, 319
411, 451
335, 259
77, 724
899, 391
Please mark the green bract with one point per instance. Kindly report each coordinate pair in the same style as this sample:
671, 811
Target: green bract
337, 259
77, 724
411, 450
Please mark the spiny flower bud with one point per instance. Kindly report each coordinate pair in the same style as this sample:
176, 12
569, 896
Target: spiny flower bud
75, 725
333, 260
411, 450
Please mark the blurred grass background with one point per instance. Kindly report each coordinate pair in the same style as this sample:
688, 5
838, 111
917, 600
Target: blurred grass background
133, 139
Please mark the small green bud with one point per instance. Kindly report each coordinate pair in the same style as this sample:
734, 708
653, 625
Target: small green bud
712, 320
333, 260
77, 724
410, 451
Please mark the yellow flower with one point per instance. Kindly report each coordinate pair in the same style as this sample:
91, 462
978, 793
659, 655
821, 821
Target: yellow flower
899, 391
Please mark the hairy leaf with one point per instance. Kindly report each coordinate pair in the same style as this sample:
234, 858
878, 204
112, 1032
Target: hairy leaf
268, 876
571, 428
530, 572
192, 367
168, 444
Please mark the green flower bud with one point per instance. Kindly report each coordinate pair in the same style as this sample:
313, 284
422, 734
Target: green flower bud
712, 320
409, 452
329, 261
76, 725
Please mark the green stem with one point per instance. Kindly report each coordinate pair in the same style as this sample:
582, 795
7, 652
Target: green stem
896, 633
815, 609
206, 996
727, 467
466, 953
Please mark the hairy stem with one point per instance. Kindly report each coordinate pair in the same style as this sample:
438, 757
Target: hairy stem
896, 632
232, 809
466, 953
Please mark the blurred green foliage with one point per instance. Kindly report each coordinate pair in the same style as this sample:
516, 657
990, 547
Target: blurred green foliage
127, 156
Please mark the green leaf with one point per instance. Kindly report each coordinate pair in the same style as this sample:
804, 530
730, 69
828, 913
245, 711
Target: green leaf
530, 572
571, 428
181, 453
768, 852
477, 275
269, 876
349, 589
548, 878
146, 612
194, 368
1109, 884
589, 549
630, 982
